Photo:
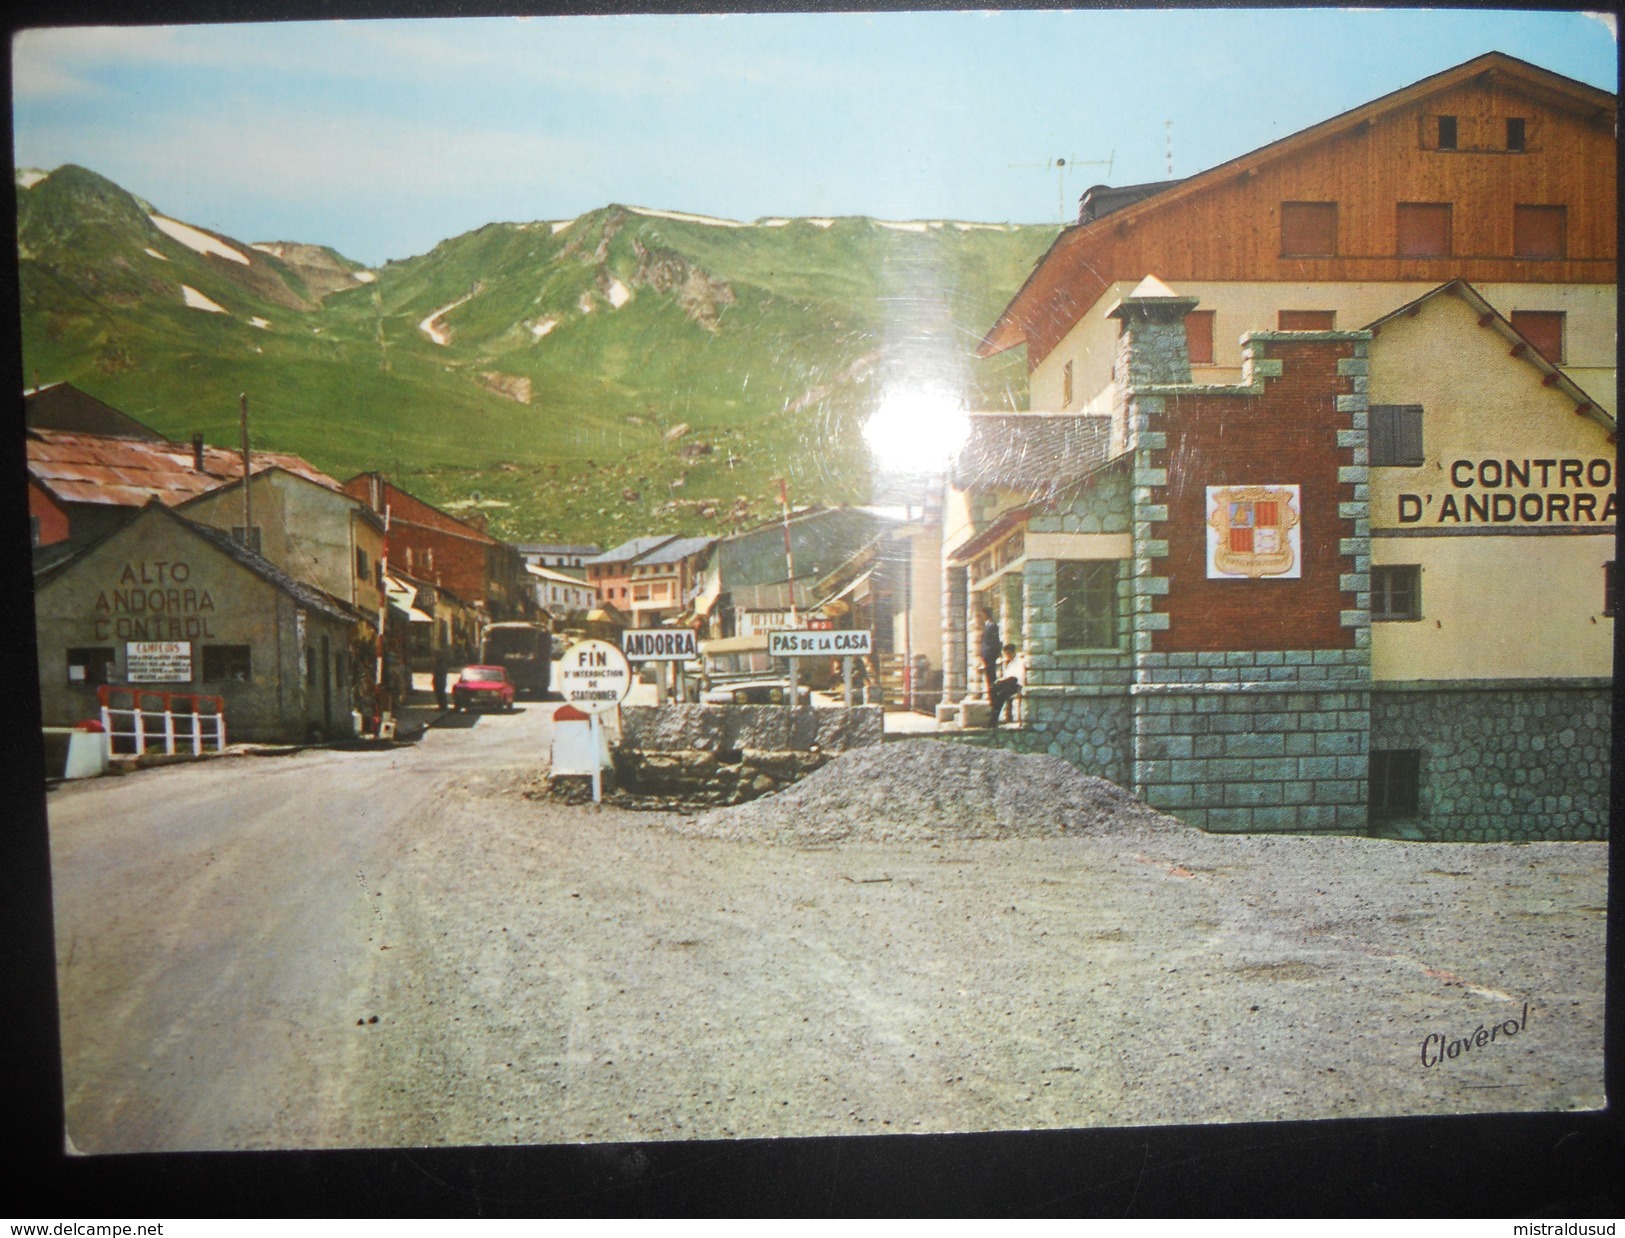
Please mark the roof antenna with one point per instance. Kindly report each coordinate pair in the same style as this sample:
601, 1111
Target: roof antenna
1060, 165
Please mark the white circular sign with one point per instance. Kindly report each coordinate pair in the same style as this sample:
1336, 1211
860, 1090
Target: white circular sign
594, 676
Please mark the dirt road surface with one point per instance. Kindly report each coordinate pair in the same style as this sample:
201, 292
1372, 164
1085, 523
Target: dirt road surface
405, 947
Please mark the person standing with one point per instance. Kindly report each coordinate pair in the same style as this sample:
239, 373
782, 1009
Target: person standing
990, 649
441, 668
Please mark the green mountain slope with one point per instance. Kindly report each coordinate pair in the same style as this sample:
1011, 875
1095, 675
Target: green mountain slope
625, 372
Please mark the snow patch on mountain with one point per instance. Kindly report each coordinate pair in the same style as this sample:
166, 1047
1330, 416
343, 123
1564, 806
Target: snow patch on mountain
965, 227
618, 293
431, 327
27, 178
560, 225
685, 217
150, 250
363, 277
585, 303
819, 223
261, 323
193, 239
196, 300
542, 326
912, 226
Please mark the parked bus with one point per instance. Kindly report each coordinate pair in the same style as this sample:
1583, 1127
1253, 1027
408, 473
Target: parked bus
525, 651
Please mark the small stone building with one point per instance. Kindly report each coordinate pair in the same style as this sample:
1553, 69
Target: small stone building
167, 604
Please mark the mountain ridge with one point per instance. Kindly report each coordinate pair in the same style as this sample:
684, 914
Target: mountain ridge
625, 370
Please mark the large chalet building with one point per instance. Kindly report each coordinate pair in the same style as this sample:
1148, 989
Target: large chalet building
1312, 525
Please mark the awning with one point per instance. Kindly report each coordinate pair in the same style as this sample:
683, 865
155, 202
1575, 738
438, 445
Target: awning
851, 587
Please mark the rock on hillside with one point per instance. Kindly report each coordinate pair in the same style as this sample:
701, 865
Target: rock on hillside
323, 270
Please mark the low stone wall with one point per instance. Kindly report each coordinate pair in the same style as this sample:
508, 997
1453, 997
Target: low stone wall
762, 728
694, 776
727, 754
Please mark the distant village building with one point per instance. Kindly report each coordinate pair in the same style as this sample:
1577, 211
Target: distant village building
562, 595
650, 579
569, 558
432, 545
164, 604
1355, 573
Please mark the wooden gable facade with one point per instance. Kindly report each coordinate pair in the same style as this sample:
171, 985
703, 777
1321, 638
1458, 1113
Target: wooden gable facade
1495, 171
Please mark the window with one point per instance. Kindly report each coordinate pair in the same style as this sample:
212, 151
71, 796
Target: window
1308, 229
1396, 435
1086, 604
1199, 336
228, 662
361, 565
1423, 230
1516, 135
251, 540
1307, 320
1446, 132
88, 667
1540, 232
1396, 783
1066, 385
1544, 329
1396, 593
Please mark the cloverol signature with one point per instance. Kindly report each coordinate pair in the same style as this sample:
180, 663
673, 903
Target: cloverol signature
1436, 1047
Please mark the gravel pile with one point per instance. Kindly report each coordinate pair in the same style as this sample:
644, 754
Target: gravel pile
930, 789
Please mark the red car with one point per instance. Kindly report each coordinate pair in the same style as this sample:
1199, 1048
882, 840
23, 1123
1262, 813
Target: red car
482, 687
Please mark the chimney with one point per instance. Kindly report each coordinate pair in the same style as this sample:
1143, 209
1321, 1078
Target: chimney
197, 453
1152, 349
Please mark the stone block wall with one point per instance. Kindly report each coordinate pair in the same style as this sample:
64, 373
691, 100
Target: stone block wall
1253, 743
769, 728
1501, 762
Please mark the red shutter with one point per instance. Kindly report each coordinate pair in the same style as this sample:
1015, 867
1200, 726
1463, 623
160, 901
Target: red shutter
1423, 230
1543, 329
1199, 336
1540, 231
1308, 229
1307, 320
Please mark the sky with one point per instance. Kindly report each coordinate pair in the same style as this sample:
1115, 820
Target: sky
383, 138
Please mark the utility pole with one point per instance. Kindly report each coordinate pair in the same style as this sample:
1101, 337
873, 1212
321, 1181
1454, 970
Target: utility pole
248, 505
789, 557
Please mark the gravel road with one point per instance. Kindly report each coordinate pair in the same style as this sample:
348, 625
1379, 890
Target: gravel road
228, 933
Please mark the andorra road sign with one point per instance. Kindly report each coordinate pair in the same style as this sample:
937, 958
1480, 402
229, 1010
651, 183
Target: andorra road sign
594, 676
659, 644
840, 643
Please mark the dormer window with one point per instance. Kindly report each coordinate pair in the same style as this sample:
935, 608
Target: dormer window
1516, 136
1447, 132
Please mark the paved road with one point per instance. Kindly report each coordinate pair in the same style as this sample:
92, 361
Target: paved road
227, 932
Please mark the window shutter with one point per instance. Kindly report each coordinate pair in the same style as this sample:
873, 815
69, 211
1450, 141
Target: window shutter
1423, 230
1540, 231
1543, 329
1381, 422
1199, 336
1306, 320
1395, 435
1308, 229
